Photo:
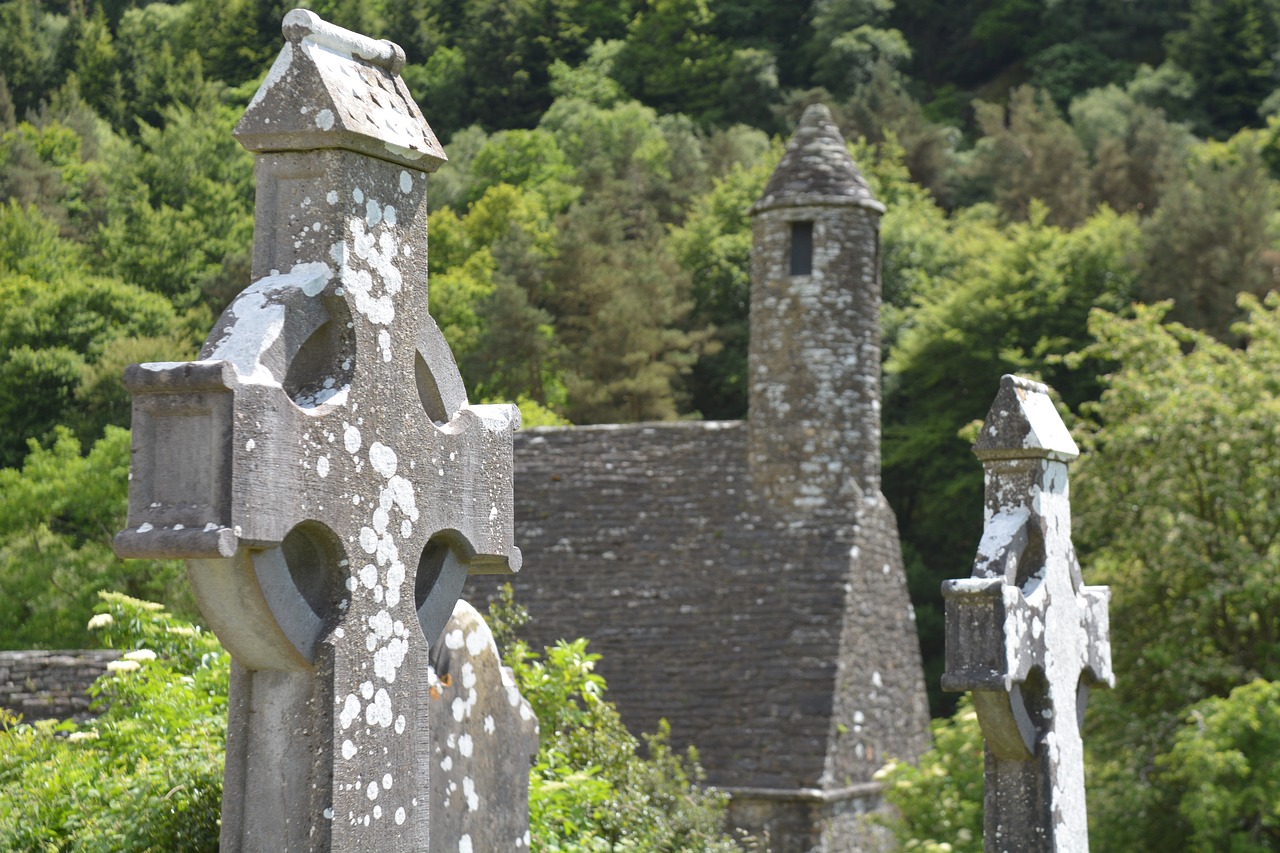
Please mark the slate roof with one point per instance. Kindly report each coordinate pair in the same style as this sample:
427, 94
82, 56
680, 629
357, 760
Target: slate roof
709, 610
816, 168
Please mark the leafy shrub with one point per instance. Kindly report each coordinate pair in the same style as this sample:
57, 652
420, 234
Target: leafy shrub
57, 516
147, 774
939, 802
589, 789
1225, 766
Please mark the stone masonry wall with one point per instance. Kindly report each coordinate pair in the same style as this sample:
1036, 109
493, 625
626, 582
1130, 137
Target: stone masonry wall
43, 685
815, 360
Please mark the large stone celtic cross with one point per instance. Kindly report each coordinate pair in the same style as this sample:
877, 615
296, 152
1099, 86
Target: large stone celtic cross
320, 468
1025, 634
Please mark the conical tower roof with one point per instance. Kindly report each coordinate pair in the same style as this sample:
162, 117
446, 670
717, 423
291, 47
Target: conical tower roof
816, 169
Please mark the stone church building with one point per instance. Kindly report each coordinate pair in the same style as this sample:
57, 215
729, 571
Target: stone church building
744, 579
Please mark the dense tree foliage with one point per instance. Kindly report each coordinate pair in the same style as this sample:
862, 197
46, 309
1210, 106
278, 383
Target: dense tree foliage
590, 246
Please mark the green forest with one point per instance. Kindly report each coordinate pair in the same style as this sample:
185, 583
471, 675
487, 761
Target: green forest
1082, 192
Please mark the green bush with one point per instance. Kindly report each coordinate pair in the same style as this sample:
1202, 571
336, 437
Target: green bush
939, 802
147, 774
590, 789
1225, 768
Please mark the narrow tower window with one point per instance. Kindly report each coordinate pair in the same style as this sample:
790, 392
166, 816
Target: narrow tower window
801, 248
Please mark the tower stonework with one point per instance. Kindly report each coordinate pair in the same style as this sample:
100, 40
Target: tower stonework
743, 580
814, 364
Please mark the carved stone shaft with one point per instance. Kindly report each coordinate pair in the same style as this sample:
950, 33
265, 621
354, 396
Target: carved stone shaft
1025, 634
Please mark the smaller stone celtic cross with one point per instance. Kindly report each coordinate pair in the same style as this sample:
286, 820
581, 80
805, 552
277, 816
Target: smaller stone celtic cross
320, 468
1025, 634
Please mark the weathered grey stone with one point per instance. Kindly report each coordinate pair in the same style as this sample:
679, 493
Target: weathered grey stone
51, 685
750, 588
484, 737
320, 467
814, 370
1025, 634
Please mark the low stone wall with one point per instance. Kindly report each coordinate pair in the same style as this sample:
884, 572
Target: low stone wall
44, 685
803, 820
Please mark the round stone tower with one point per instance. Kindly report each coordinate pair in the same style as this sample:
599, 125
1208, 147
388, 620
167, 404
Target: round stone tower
814, 362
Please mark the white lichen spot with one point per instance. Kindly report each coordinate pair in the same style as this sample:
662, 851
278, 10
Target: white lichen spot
465, 745
477, 641
386, 782
322, 466
372, 791
469, 791
332, 197
383, 459
454, 640
372, 213
366, 690
406, 182
350, 438
489, 726
349, 749
388, 659
377, 812
384, 345
399, 815
368, 541
389, 216
324, 119
350, 710
400, 723
395, 580
464, 844
379, 712
447, 763
250, 445
357, 195
328, 813
401, 494
145, 527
